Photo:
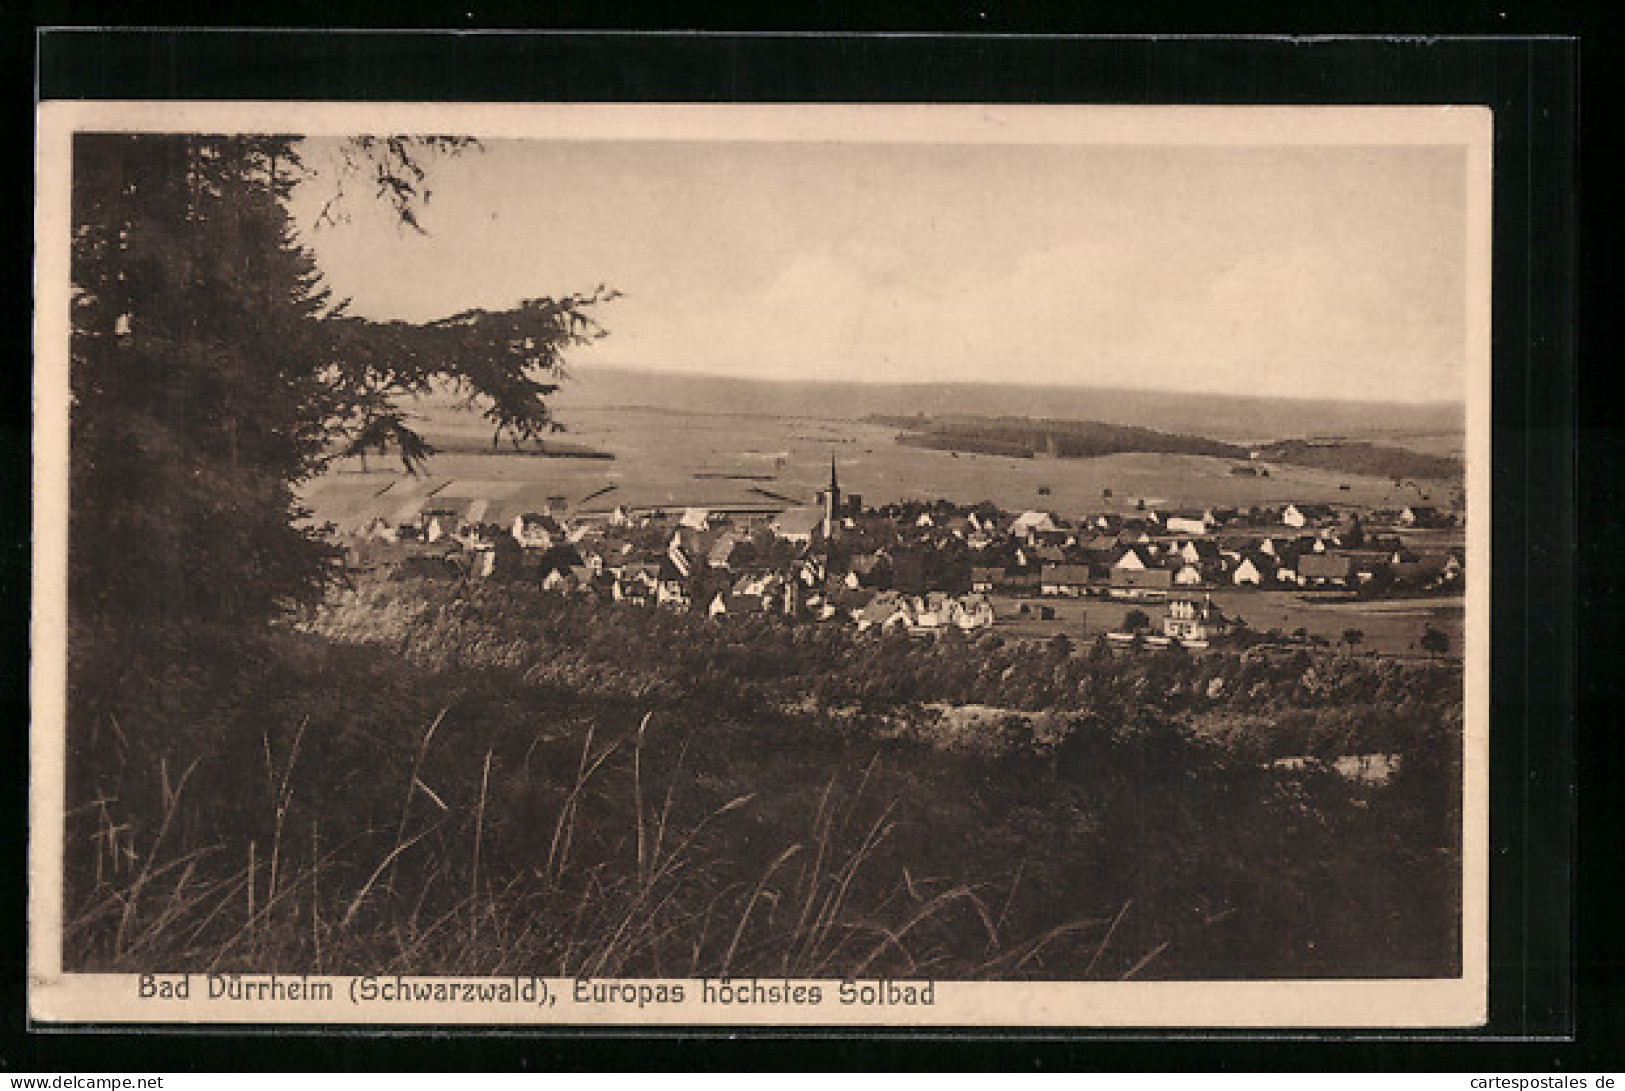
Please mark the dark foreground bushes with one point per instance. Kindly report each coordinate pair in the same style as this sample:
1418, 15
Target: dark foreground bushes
458, 795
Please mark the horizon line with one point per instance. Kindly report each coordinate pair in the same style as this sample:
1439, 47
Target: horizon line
699, 373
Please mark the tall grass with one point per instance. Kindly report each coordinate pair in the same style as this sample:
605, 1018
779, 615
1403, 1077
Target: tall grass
294, 801
617, 884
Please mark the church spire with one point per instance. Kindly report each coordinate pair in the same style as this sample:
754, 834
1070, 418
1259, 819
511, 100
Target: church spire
832, 503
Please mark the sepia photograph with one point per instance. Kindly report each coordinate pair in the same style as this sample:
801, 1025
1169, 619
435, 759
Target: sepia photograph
896, 565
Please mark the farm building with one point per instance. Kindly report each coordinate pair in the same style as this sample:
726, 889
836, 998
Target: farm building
1133, 583
1322, 569
1067, 580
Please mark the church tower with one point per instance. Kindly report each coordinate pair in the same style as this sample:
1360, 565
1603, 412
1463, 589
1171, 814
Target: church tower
832, 504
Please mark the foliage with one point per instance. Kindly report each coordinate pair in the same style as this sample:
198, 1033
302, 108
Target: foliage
484, 786
1434, 641
211, 372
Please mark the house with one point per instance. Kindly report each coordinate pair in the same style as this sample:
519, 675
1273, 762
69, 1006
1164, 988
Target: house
635, 582
494, 556
1098, 546
1286, 565
1204, 552
849, 602
1321, 569
1029, 524
1185, 522
1421, 571
724, 550
1134, 583
1303, 515
1135, 558
695, 519
934, 611
1189, 575
572, 579
537, 531
1422, 517
1192, 621
672, 585
797, 525
439, 523
973, 612
983, 580
982, 524
886, 609
1253, 570
1066, 580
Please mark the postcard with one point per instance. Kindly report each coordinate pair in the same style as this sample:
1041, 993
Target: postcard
761, 565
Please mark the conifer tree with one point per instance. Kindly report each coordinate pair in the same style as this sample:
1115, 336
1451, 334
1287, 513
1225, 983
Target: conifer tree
212, 373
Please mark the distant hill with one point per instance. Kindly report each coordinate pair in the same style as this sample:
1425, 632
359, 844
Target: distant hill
1025, 437
1372, 459
1240, 419
1020, 437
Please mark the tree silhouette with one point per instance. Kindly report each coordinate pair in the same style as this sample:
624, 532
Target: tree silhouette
1435, 641
211, 372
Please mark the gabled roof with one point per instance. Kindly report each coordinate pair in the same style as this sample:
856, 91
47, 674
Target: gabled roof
798, 522
883, 606
723, 548
533, 521
1206, 549
1138, 552
1132, 577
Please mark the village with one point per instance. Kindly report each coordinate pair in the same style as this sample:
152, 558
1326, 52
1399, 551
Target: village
930, 567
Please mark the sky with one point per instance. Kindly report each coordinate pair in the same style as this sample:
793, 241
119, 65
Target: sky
1326, 272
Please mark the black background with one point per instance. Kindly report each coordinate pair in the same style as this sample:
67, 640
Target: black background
1555, 998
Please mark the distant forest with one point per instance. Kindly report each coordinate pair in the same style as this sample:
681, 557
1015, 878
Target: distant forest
1026, 437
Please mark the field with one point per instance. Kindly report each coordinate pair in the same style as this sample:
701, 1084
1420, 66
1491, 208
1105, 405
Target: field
658, 451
